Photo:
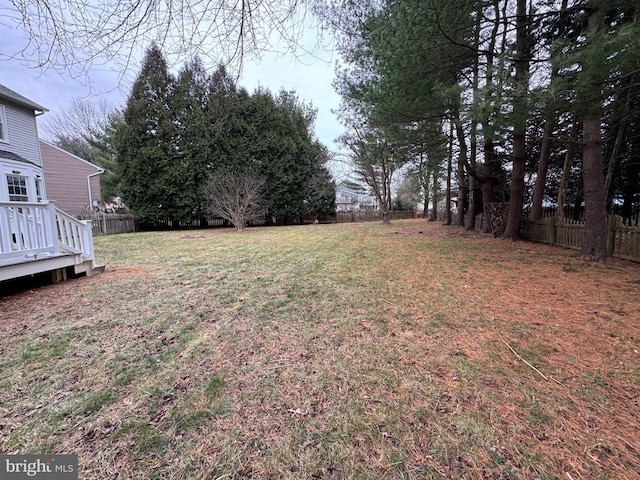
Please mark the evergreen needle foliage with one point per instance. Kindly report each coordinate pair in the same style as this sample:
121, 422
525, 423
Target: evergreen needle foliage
177, 132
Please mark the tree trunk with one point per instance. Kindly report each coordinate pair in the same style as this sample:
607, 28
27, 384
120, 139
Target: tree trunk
594, 243
434, 195
566, 170
487, 186
462, 193
471, 216
425, 210
471, 219
543, 168
520, 124
462, 161
447, 212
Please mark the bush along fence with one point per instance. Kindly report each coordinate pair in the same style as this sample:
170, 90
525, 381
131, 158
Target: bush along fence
622, 241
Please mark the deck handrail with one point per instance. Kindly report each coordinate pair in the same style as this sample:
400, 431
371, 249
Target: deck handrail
75, 236
33, 230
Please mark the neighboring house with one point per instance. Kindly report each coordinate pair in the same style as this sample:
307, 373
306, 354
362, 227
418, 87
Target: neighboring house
35, 236
350, 199
72, 182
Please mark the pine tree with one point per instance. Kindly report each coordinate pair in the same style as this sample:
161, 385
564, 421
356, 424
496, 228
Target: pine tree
147, 153
188, 102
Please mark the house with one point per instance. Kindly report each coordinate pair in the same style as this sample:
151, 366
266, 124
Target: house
35, 235
351, 197
72, 182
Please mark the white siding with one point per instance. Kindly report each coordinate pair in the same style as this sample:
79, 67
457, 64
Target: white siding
22, 132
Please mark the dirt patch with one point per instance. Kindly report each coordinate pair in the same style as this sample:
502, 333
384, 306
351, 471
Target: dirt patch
127, 271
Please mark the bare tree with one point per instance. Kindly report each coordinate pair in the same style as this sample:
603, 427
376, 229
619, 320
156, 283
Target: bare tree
80, 118
375, 161
235, 197
73, 36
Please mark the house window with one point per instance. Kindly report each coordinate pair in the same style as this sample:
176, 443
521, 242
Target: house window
4, 137
39, 188
17, 188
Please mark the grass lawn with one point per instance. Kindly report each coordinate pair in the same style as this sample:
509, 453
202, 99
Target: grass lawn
350, 351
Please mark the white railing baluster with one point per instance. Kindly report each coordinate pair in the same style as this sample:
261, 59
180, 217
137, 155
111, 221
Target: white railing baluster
31, 229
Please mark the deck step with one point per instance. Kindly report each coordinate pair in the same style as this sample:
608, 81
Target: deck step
88, 267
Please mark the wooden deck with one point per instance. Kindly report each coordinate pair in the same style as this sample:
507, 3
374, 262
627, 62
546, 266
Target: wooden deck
38, 237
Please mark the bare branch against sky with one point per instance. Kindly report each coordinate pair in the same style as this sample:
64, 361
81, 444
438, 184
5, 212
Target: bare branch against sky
75, 36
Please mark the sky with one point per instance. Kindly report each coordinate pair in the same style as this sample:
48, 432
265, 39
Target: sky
309, 74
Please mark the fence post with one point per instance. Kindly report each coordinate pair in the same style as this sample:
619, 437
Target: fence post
552, 229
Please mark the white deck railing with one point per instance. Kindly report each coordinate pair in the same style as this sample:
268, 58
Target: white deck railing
40, 230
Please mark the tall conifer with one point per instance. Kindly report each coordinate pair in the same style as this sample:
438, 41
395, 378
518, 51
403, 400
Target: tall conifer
146, 149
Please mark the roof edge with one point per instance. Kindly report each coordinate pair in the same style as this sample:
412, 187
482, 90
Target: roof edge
7, 93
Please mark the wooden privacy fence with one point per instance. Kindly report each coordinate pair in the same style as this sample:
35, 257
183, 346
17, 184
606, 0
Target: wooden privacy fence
111, 223
370, 216
622, 241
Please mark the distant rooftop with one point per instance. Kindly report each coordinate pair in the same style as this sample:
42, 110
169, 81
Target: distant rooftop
19, 99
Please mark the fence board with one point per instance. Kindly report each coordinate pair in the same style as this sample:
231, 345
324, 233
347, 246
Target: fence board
568, 233
370, 216
627, 243
111, 223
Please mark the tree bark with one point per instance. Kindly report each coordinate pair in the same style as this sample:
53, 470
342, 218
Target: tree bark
425, 210
594, 243
462, 194
543, 168
434, 194
566, 170
520, 124
462, 161
471, 219
447, 212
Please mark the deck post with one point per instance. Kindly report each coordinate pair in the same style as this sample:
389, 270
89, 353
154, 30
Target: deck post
52, 227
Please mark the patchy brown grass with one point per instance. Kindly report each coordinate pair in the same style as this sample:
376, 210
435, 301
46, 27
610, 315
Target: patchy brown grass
337, 351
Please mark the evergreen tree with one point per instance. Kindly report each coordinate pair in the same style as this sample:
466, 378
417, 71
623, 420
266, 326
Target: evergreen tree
188, 103
178, 132
321, 197
152, 186
227, 116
